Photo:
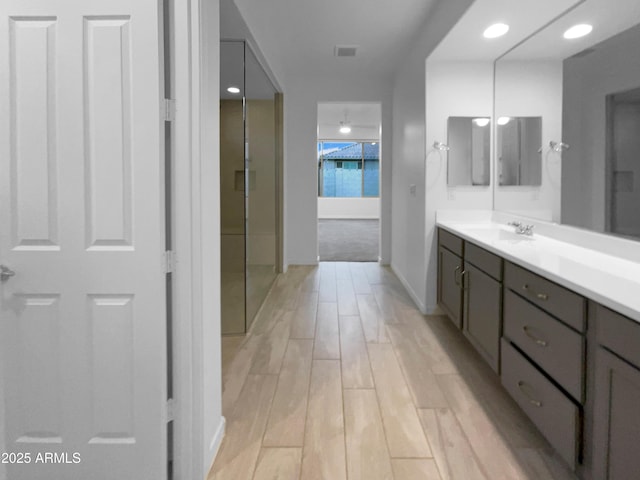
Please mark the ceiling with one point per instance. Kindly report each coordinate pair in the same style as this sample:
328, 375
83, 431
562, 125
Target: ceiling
298, 36
360, 114
608, 18
364, 118
465, 41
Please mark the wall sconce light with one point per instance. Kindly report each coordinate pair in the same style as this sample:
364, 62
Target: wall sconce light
557, 147
441, 147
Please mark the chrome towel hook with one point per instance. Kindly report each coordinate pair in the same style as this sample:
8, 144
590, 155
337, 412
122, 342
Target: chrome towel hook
442, 147
558, 146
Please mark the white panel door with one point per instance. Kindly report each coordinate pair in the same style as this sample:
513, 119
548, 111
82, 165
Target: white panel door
82, 328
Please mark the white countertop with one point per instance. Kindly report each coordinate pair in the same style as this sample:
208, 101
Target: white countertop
609, 279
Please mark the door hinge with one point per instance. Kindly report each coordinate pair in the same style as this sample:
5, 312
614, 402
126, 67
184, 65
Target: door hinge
171, 405
169, 261
169, 109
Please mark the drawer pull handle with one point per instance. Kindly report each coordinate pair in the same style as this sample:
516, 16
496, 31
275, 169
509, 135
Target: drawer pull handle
463, 276
539, 296
536, 403
456, 276
527, 331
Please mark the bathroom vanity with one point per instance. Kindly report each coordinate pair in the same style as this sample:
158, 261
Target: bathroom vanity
558, 318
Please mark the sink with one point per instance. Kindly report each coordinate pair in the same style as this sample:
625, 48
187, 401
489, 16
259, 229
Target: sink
495, 233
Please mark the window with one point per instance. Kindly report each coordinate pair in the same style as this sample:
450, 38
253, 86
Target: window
348, 169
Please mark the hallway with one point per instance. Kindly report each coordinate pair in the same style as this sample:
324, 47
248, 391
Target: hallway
341, 377
348, 240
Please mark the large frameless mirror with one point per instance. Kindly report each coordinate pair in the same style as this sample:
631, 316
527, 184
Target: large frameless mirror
584, 86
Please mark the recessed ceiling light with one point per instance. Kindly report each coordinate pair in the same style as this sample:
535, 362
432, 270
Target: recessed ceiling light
496, 30
578, 31
233, 90
504, 120
481, 122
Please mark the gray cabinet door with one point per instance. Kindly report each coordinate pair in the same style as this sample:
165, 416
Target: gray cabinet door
449, 286
616, 439
482, 305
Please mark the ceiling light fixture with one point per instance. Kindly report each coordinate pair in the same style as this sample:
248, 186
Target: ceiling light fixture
345, 128
233, 90
578, 31
496, 30
481, 122
504, 120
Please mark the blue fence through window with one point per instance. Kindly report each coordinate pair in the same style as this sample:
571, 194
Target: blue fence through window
341, 172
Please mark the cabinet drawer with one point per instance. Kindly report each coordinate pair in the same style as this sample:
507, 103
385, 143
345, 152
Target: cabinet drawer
555, 415
487, 262
618, 333
558, 301
556, 348
450, 241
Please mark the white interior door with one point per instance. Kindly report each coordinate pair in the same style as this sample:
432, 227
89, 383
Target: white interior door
82, 327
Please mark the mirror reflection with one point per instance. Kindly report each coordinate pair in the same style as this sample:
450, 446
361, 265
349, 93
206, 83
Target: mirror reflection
601, 175
518, 150
586, 89
469, 141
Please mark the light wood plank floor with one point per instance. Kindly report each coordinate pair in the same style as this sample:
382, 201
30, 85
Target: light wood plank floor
341, 377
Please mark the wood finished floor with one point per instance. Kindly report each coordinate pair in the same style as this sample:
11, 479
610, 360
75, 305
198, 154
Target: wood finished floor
341, 377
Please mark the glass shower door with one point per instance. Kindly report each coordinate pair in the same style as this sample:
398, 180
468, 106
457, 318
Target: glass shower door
232, 191
260, 185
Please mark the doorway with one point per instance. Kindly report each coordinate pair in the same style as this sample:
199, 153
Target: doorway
623, 163
349, 168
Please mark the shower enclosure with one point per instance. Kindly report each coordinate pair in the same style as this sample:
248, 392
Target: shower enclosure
248, 185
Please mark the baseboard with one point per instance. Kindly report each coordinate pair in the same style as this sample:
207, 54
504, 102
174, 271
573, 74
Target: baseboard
434, 310
299, 262
419, 303
350, 217
216, 441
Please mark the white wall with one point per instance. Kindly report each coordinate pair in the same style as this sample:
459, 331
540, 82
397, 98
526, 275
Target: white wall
454, 89
532, 89
613, 67
348, 207
408, 253
209, 178
197, 349
301, 98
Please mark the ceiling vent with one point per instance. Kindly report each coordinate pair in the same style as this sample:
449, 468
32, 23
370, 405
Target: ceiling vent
345, 50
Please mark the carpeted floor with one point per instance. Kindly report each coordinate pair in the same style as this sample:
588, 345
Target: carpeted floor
348, 240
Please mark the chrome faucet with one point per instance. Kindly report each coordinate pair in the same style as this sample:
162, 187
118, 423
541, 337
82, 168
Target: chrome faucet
522, 229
